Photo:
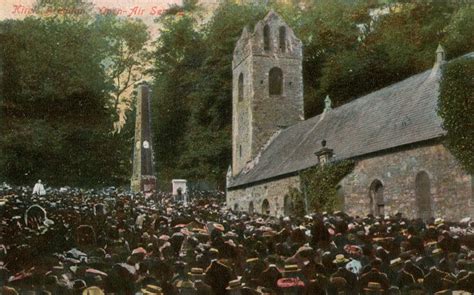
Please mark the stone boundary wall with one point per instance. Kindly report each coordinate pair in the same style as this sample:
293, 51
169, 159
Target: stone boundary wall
451, 188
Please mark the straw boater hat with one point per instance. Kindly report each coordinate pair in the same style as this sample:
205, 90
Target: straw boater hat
152, 290
291, 268
234, 285
373, 286
340, 259
196, 272
93, 291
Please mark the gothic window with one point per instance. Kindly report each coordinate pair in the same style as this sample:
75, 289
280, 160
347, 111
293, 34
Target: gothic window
265, 207
287, 206
241, 87
377, 202
251, 209
423, 195
282, 39
266, 37
240, 151
275, 84
236, 207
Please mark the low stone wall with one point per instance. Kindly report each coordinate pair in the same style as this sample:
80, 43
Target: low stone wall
273, 191
450, 187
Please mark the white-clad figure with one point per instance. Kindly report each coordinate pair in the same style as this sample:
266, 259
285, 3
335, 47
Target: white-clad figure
38, 189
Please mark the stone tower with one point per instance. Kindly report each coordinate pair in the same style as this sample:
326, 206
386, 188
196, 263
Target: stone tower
267, 87
143, 177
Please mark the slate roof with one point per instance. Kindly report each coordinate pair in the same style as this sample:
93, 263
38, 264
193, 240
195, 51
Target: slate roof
400, 114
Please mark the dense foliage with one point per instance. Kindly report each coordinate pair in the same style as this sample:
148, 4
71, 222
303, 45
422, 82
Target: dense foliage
350, 48
319, 188
57, 99
456, 107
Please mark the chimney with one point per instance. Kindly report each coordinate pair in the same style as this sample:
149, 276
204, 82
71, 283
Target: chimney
324, 154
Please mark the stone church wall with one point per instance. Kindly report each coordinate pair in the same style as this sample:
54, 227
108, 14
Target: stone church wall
450, 187
274, 191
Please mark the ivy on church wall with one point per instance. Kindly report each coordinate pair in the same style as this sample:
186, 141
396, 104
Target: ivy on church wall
456, 107
318, 190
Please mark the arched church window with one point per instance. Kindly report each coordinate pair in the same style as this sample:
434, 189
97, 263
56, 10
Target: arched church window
377, 202
275, 84
423, 195
236, 207
282, 39
287, 206
265, 207
251, 209
241, 87
266, 37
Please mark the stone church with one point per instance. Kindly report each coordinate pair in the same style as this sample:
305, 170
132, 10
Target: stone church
394, 135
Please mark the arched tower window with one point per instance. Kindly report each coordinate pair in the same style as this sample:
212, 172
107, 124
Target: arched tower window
241, 87
236, 207
282, 39
266, 37
265, 207
377, 202
275, 82
423, 195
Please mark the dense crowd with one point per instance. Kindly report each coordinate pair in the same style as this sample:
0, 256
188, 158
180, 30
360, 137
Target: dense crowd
75, 242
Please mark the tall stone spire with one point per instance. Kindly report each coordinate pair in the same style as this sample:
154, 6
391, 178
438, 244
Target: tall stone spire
143, 177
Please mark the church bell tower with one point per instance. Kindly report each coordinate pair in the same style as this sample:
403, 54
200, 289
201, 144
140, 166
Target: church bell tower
267, 87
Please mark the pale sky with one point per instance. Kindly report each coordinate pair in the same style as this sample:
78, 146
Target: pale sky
147, 10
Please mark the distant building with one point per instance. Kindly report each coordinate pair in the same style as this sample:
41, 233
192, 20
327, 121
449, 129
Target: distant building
394, 135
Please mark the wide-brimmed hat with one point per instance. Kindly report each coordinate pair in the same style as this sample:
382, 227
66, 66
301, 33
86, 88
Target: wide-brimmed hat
152, 289
340, 259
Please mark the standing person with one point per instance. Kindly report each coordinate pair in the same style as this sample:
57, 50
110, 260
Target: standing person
38, 189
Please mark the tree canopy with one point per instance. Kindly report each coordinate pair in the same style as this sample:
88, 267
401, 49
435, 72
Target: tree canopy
58, 94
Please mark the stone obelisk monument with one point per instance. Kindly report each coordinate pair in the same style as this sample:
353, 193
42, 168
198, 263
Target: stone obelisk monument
143, 177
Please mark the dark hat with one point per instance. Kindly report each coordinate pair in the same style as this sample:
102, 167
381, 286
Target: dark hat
79, 284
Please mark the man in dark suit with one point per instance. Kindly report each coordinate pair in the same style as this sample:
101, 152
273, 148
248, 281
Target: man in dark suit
218, 276
342, 272
433, 281
374, 275
466, 283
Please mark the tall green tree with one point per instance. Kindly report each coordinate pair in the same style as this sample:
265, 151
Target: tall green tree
178, 56
57, 101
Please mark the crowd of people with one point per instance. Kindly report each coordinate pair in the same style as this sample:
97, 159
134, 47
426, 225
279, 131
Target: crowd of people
109, 242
